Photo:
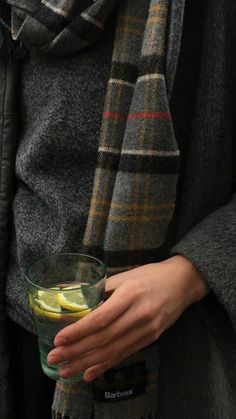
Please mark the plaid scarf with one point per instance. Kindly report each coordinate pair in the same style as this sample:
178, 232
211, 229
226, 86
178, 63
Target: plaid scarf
133, 195
137, 169
59, 27
138, 158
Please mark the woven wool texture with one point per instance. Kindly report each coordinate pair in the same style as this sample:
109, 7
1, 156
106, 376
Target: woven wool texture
59, 27
135, 183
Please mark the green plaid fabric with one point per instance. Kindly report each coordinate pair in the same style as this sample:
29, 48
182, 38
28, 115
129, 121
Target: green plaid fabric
134, 187
77, 401
138, 159
59, 27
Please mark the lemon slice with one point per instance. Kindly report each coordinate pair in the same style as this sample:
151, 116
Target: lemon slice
48, 301
73, 301
44, 313
46, 304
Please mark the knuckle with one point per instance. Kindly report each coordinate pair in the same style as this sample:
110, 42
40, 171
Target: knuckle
138, 290
153, 331
85, 363
101, 340
80, 364
112, 352
101, 321
128, 290
147, 311
65, 353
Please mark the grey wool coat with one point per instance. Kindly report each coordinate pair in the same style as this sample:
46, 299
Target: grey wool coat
197, 377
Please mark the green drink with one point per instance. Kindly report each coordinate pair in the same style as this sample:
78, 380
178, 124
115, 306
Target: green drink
63, 288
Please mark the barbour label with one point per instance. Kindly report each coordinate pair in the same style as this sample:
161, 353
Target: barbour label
121, 384
119, 394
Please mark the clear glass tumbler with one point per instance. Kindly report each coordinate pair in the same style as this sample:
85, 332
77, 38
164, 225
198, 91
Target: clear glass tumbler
63, 288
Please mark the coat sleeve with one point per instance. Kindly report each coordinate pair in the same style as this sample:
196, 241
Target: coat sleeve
211, 247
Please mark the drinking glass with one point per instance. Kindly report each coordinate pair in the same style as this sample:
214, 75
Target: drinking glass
63, 288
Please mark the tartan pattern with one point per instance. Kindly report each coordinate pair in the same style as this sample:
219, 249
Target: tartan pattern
59, 27
135, 183
75, 400
138, 159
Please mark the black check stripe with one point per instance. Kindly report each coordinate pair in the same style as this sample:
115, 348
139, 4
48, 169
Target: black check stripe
54, 28
124, 71
116, 259
152, 64
85, 30
138, 163
50, 20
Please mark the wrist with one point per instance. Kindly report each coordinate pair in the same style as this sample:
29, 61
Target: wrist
193, 284
197, 284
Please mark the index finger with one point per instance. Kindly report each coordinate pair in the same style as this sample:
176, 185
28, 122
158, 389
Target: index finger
97, 320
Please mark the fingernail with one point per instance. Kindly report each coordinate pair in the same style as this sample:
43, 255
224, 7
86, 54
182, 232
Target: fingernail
65, 372
53, 359
59, 341
88, 377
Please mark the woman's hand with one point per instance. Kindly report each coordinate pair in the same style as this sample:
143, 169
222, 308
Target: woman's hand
144, 303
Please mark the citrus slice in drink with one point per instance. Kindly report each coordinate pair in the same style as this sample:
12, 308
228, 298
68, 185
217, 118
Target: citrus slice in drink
46, 304
73, 301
